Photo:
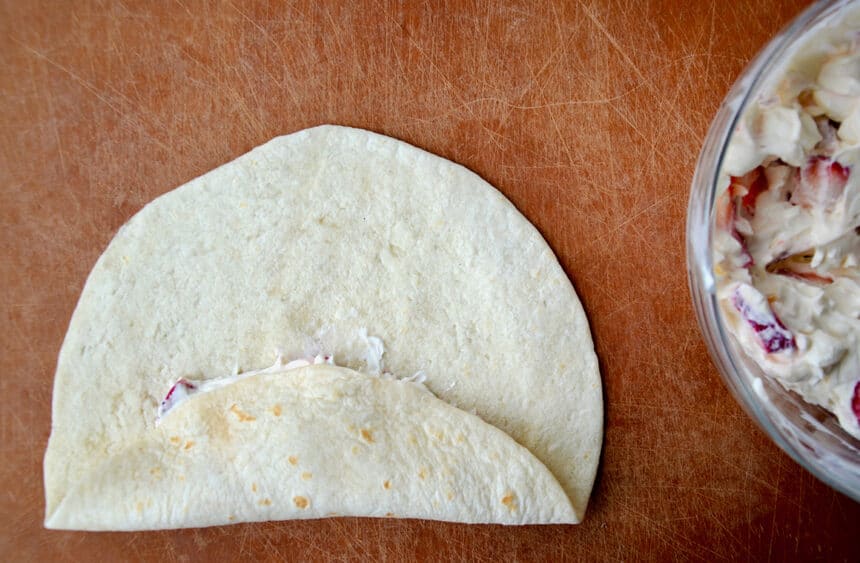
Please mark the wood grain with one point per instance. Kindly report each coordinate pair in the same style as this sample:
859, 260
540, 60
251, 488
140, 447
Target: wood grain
588, 115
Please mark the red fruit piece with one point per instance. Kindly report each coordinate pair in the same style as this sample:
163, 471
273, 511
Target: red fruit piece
726, 214
745, 252
756, 311
855, 401
748, 187
725, 211
822, 182
183, 382
172, 398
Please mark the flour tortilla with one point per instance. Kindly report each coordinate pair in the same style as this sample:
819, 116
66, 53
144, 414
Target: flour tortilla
320, 238
395, 451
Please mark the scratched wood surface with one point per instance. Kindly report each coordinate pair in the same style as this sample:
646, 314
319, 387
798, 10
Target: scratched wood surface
588, 115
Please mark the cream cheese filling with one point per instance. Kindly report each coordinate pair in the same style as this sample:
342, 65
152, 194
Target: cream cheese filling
787, 228
184, 389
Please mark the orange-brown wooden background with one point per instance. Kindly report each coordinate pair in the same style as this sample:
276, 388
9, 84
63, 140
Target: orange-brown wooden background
588, 115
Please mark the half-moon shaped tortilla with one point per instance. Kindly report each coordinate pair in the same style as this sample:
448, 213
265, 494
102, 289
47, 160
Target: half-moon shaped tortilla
319, 239
311, 443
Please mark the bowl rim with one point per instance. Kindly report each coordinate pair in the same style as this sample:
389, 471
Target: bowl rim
699, 237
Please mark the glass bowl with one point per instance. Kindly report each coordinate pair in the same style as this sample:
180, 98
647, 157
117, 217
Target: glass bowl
808, 433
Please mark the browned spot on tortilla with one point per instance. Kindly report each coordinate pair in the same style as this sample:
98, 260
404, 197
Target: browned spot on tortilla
139, 507
438, 434
189, 444
155, 472
175, 439
355, 450
265, 502
367, 435
276, 410
389, 515
451, 495
231, 518
386, 485
509, 500
461, 438
422, 473
301, 502
242, 416
254, 487
307, 475
181, 477
412, 439
293, 460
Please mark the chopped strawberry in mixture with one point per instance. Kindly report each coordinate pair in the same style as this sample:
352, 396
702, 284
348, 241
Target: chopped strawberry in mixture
725, 218
769, 330
748, 187
178, 393
822, 183
183, 383
855, 402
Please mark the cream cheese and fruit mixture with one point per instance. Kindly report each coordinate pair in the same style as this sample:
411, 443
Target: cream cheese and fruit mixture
787, 224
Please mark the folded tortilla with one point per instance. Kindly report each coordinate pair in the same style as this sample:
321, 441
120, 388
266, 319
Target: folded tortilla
316, 442
319, 239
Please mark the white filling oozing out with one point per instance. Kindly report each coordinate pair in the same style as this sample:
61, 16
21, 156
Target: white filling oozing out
184, 388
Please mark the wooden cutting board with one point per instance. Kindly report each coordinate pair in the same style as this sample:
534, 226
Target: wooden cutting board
589, 116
